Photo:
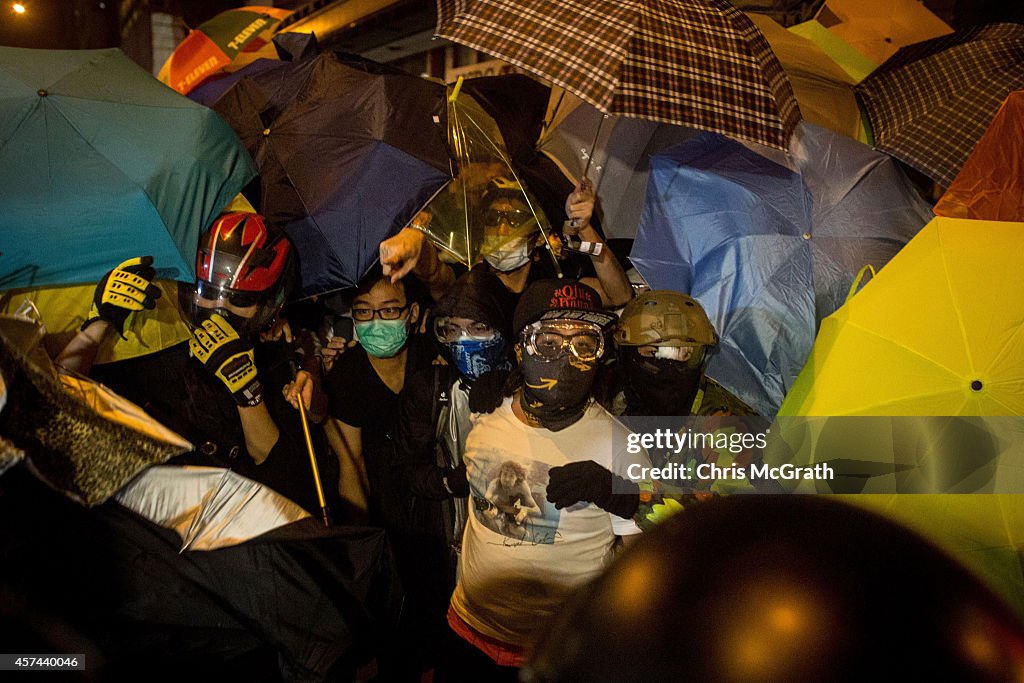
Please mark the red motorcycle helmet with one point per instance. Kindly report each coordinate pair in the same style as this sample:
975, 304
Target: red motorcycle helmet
244, 271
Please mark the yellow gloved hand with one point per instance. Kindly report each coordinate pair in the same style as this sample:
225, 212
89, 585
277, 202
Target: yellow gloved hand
128, 287
222, 352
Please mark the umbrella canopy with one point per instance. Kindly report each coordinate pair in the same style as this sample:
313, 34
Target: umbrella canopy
822, 88
854, 63
99, 163
476, 142
63, 310
619, 157
982, 531
878, 28
725, 226
937, 332
990, 186
768, 251
518, 104
864, 210
328, 133
695, 63
931, 102
217, 43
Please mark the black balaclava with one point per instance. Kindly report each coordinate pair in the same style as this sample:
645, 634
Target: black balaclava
659, 386
556, 393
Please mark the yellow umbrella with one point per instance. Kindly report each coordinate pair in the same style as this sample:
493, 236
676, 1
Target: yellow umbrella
937, 332
63, 310
878, 28
823, 89
850, 60
985, 532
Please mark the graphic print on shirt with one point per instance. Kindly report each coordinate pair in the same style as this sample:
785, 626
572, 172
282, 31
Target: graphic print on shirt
509, 498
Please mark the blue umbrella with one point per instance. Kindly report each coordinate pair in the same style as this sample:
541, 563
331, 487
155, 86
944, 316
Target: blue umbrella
768, 251
99, 162
348, 150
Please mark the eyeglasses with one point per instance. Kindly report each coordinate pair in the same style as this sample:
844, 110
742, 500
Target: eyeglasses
363, 315
446, 331
236, 297
550, 343
513, 218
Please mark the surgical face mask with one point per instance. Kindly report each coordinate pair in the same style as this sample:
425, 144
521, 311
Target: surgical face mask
506, 254
474, 357
382, 338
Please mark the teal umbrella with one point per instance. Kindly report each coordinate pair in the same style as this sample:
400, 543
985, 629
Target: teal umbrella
100, 162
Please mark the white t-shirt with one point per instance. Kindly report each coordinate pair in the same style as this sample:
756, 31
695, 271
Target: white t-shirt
521, 556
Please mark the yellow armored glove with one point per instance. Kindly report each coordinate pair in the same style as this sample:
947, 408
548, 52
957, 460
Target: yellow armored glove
218, 347
123, 290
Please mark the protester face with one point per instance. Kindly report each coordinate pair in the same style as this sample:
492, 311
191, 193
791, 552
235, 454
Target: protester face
559, 366
661, 380
382, 318
508, 234
474, 347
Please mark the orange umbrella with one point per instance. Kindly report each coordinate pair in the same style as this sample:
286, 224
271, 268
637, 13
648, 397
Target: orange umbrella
990, 186
217, 43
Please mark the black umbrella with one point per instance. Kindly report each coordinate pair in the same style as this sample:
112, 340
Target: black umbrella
348, 150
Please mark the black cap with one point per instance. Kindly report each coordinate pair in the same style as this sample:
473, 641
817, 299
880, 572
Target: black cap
560, 300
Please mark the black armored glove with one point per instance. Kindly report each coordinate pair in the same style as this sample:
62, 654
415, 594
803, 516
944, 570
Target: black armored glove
456, 483
218, 347
125, 289
588, 481
488, 391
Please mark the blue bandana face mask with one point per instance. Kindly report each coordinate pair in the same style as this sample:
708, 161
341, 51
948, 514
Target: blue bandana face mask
474, 357
382, 338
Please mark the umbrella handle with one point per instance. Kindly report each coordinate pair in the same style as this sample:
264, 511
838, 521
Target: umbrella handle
324, 511
856, 282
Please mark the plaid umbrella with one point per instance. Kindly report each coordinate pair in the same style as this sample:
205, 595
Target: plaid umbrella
931, 102
694, 63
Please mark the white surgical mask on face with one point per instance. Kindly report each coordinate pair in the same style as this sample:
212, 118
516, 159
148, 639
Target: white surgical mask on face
511, 254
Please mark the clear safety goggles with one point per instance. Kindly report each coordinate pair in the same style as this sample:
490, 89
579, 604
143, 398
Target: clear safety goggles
551, 341
448, 331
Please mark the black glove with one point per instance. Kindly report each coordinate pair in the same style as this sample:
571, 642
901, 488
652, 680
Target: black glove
488, 391
588, 481
218, 347
456, 483
123, 290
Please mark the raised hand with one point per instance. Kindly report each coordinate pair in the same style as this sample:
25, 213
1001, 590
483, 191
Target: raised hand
127, 288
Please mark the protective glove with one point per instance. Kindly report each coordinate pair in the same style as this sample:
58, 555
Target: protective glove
218, 347
456, 483
488, 391
588, 481
123, 290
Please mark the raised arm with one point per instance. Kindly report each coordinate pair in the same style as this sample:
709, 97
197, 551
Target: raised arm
611, 282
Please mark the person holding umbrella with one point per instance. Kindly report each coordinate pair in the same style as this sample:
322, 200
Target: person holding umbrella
512, 249
221, 390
